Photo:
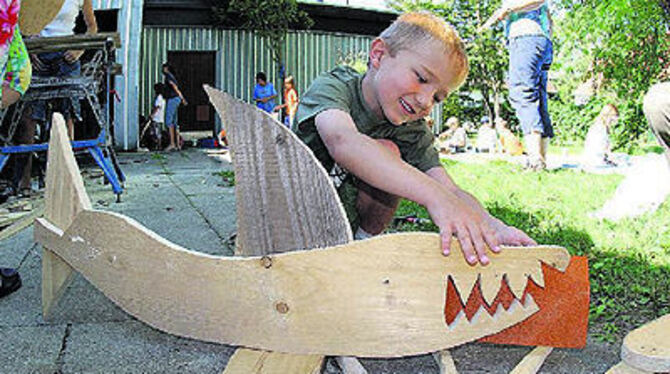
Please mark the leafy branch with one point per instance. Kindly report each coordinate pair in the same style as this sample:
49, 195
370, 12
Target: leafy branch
270, 19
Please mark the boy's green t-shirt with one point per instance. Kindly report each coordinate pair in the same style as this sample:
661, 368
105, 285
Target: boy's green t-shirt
341, 89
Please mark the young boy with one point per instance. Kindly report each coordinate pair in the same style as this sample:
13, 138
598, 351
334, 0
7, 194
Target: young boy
155, 128
369, 132
264, 93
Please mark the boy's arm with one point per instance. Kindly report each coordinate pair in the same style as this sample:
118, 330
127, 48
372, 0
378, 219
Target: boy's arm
372, 163
256, 97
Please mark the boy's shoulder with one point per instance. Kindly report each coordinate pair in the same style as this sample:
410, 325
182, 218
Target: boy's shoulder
343, 73
341, 81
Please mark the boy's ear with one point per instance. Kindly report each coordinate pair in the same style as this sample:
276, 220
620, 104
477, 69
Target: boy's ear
378, 49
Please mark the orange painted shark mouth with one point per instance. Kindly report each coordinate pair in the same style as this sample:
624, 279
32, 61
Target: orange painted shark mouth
562, 299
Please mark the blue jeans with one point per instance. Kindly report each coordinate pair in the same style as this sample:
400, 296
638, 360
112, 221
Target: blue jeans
56, 66
171, 111
529, 61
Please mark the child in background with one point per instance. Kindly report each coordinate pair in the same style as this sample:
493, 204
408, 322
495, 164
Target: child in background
290, 101
157, 115
487, 139
458, 139
369, 132
158, 110
509, 142
264, 93
452, 124
597, 152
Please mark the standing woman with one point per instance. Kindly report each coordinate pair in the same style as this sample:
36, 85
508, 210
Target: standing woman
50, 65
63, 64
528, 29
174, 97
15, 74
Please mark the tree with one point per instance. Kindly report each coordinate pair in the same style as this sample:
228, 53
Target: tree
626, 42
271, 19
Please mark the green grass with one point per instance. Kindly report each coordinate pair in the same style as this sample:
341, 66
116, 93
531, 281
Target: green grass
228, 177
629, 260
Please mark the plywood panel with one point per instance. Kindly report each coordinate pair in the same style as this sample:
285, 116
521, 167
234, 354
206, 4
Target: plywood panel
382, 297
36, 14
249, 361
285, 200
65, 197
284, 192
648, 347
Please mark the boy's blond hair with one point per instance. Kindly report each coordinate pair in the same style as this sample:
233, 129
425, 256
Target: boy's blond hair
414, 28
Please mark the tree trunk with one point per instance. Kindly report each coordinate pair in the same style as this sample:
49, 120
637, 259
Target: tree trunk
496, 104
486, 98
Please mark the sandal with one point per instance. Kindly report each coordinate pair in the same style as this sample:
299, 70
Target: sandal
10, 281
25, 192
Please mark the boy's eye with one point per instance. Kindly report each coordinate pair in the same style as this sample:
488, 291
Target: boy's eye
421, 78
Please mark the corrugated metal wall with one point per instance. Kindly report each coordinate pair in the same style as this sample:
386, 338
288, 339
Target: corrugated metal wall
240, 54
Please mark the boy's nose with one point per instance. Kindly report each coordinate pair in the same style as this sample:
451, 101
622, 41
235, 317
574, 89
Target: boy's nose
423, 101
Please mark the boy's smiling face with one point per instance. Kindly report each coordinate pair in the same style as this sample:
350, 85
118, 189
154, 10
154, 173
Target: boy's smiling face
404, 87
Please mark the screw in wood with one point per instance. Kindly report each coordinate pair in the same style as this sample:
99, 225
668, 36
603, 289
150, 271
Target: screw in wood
282, 307
266, 262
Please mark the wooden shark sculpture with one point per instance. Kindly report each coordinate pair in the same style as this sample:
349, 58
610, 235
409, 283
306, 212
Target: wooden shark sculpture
384, 297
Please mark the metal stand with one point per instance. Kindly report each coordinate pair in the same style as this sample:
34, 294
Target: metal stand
86, 87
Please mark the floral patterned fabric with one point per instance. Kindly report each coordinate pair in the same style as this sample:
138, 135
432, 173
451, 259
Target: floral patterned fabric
15, 69
9, 17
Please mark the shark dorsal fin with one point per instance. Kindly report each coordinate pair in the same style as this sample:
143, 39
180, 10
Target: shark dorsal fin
65, 193
285, 199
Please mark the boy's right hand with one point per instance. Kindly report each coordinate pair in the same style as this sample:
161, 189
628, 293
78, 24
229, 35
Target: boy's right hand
455, 218
474, 229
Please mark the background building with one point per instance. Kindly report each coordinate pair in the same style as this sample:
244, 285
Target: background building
181, 32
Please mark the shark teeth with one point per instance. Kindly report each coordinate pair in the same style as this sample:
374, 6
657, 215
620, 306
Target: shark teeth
490, 284
501, 317
521, 265
464, 284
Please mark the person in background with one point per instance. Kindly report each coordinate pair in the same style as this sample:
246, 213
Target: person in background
528, 29
54, 65
647, 186
454, 138
656, 108
487, 139
264, 93
290, 101
15, 75
597, 150
158, 114
458, 140
174, 98
509, 143
63, 64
